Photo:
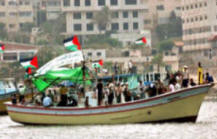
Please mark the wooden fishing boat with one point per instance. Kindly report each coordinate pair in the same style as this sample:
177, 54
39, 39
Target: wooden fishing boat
182, 105
7, 88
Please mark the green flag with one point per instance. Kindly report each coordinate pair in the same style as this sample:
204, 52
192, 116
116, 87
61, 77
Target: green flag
40, 84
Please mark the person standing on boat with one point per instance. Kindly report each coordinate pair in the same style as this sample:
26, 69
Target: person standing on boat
99, 87
116, 68
130, 66
200, 73
22, 90
185, 77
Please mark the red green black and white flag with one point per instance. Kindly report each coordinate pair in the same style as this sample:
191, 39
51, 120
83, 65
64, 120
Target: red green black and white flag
30, 63
141, 41
72, 44
2, 48
97, 64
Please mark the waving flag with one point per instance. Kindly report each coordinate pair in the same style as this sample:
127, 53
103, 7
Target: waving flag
97, 64
141, 41
30, 63
2, 48
72, 44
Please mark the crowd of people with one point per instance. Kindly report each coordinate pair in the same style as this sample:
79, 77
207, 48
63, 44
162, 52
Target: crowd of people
114, 92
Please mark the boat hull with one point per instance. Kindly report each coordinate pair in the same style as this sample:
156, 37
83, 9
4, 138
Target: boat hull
6, 98
183, 105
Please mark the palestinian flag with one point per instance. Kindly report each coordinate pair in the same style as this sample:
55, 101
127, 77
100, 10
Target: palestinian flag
97, 64
141, 41
72, 44
2, 48
30, 63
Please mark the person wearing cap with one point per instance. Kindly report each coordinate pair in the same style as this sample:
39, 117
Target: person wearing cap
200, 73
185, 77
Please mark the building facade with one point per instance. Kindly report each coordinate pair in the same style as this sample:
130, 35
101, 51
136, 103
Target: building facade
127, 17
15, 52
13, 13
199, 24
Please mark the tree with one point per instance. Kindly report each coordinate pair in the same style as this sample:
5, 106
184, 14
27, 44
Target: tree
102, 18
27, 27
47, 53
158, 60
53, 29
3, 32
172, 29
165, 45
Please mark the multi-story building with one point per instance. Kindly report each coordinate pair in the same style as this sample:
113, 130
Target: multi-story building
13, 13
127, 17
199, 24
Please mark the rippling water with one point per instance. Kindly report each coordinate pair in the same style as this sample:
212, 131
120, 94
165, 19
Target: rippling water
205, 128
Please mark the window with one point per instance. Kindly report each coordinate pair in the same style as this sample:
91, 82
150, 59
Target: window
10, 56
87, 3
125, 26
130, 2
196, 18
205, 17
12, 25
89, 54
66, 3
12, 3
2, 14
89, 15
183, 8
25, 14
125, 14
201, 5
77, 15
135, 14
147, 21
114, 2
99, 54
115, 15
160, 7
77, 2
192, 19
201, 18
101, 2
89, 27
192, 7
135, 25
196, 6
77, 27
187, 7
2, 3
205, 4
13, 14
115, 26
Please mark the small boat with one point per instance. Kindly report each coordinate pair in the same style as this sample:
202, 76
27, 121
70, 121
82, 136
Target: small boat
182, 105
7, 88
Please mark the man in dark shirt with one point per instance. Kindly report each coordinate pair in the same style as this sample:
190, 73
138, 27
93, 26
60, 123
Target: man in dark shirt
100, 91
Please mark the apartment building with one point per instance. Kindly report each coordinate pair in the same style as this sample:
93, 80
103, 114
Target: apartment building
13, 13
199, 24
127, 17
